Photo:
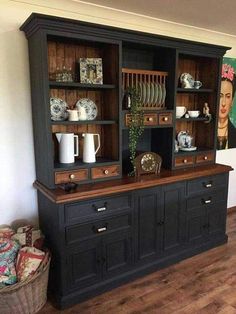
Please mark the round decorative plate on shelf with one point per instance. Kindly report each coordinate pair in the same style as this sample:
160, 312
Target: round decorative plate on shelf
58, 109
152, 92
144, 93
156, 96
89, 106
163, 94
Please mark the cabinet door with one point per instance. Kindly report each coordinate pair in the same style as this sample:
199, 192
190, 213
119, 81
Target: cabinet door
172, 217
84, 264
217, 219
117, 253
148, 204
196, 225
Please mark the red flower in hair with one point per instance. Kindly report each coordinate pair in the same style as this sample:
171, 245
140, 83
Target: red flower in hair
227, 72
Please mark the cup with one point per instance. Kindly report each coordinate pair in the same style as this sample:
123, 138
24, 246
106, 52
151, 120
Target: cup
180, 111
197, 84
73, 115
194, 113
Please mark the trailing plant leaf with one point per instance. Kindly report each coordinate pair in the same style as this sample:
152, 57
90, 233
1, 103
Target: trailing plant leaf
136, 125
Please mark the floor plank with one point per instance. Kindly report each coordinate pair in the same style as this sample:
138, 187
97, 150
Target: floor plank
203, 284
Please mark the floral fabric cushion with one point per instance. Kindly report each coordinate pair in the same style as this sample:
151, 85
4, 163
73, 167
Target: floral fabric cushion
28, 261
8, 252
6, 231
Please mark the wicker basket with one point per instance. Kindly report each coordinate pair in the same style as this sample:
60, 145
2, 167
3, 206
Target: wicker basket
28, 296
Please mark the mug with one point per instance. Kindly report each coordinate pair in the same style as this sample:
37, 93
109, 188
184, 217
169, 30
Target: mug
73, 115
180, 111
197, 84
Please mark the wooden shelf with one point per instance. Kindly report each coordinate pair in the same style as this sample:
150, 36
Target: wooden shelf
194, 90
125, 184
192, 119
76, 85
193, 152
100, 161
83, 122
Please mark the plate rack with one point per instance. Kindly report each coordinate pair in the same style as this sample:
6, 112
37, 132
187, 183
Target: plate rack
151, 86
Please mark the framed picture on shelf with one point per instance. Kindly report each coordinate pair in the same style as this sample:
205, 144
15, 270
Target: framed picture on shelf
91, 70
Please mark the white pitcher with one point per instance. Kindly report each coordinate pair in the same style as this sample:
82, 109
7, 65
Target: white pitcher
68, 147
89, 152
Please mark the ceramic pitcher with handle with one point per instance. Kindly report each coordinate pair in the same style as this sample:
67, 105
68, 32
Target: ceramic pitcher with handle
68, 147
89, 151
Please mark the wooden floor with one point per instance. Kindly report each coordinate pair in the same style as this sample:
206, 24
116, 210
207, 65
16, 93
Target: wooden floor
205, 283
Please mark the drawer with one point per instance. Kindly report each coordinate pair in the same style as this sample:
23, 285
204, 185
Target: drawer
207, 199
94, 229
207, 183
149, 119
205, 158
181, 161
165, 118
95, 208
105, 172
71, 176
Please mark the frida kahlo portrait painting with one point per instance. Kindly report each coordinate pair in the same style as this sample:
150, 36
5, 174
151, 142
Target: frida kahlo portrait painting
226, 133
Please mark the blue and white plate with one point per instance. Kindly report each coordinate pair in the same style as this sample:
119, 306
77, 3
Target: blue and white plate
58, 109
90, 107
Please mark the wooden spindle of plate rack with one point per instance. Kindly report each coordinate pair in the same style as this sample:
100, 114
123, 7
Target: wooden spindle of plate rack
151, 86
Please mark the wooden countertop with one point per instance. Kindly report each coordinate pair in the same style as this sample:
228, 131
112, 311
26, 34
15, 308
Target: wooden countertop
125, 184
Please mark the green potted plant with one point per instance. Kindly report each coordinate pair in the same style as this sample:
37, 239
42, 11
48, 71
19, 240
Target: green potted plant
136, 125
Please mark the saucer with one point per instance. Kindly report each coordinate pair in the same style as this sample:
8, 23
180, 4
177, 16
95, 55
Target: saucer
188, 149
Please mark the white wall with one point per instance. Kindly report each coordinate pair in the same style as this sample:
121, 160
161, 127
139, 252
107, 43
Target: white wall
18, 198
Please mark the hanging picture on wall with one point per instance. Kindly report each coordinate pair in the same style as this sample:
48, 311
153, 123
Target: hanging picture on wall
91, 71
226, 133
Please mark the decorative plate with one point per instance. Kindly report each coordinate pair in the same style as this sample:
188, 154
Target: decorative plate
148, 93
152, 93
90, 107
163, 94
140, 90
144, 93
58, 109
156, 96
159, 94
185, 141
186, 80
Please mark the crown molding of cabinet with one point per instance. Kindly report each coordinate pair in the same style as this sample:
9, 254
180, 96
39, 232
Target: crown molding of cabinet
90, 12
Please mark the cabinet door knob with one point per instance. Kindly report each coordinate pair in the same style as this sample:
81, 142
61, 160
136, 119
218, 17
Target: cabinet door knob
71, 176
106, 171
208, 185
207, 201
185, 161
165, 119
205, 158
102, 229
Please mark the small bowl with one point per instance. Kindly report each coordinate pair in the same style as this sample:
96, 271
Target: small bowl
194, 113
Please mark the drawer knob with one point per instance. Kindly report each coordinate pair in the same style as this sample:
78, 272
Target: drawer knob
71, 176
165, 119
208, 185
102, 229
185, 161
207, 201
205, 158
106, 171
101, 209
150, 119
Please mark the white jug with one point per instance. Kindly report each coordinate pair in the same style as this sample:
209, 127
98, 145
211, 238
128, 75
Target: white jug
73, 115
68, 147
89, 152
